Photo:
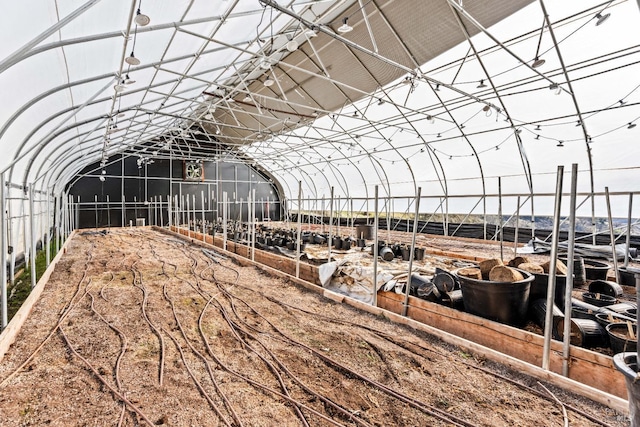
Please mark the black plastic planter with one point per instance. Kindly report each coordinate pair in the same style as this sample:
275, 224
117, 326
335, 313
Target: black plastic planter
538, 312
627, 278
599, 300
584, 333
627, 363
541, 283
596, 270
605, 287
504, 302
619, 337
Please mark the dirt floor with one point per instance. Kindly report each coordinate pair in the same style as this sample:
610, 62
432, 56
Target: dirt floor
139, 328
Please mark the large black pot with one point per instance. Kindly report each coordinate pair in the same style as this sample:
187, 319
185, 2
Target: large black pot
627, 363
596, 270
504, 302
541, 283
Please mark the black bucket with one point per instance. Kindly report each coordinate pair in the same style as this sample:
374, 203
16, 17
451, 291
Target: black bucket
538, 311
605, 287
418, 254
386, 254
541, 283
632, 312
423, 288
346, 244
599, 300
618, 336
596, 270
627, 277
579, 271
319, 240
504, 302
585, 333
406, 253
444, 281
364, 231
362, 243
627, 363
453, 298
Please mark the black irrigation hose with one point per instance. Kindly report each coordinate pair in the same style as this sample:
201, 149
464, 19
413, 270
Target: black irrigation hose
395, 340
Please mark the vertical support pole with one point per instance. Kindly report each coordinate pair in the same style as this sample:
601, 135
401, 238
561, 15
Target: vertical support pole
405, 307
204, 227
627, 241
375, 248
3, 252
32, 234
224, 220
188, 219
195, 213
108, 212
48, 229
323, 212
339, 217
351, 214
551, 286
515, 237
58, 222
299, 234
169, 211
500, 218
253, 226
95, 208
309, 215
612, 235
566, 340
123, 214
330, 241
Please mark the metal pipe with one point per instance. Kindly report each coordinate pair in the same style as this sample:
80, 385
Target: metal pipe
224, 220
3, 252
48, 230
515, 237
612, 235
204, 228
299, 229
405, 308
188, 218
253, 227
500, 218
330, 242
169, 212
626, 252
566, 337
375, 248
32, 232
108, 212
551, 284
95, 208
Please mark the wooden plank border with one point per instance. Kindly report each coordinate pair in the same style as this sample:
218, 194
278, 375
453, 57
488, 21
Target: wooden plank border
9, 334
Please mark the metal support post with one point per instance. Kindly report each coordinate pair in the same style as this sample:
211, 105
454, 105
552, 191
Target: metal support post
330, 241
188, 218
48, 230
204, 228
224, 220
3, 251
627, 241
515, 237
566, 340
500, 218
612, 235
95, 204
412, 251
299, 235
551, 286
375, 248
32, 233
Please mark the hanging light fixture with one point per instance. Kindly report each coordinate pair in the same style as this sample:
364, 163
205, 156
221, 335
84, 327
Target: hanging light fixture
119, 87
538, 62
345, 27
537, 127
132, 60
292, 45
556, 88
537, 137
128, 80
141, 19
431, 119
247, 98
310, 33
208, 116
437, 89
268, 82
560, 144
578, 123
622, 102
600, 19
481, 85
631, 125
438, 136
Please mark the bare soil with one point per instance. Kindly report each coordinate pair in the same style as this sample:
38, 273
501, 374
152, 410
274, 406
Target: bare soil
138, 328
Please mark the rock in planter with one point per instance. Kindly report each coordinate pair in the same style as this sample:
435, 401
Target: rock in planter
503, 273
487, 265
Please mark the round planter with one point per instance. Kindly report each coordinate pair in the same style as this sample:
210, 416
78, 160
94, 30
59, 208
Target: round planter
605, 319
599, 300
605, 287
538, 311
364, 231
619, 337
579, 271
627, 278
584, 333
596, 270
386, 254
627, 363
419, 254
504, 302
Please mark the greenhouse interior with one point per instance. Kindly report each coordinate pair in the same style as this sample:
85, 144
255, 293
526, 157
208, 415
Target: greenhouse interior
320, 212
